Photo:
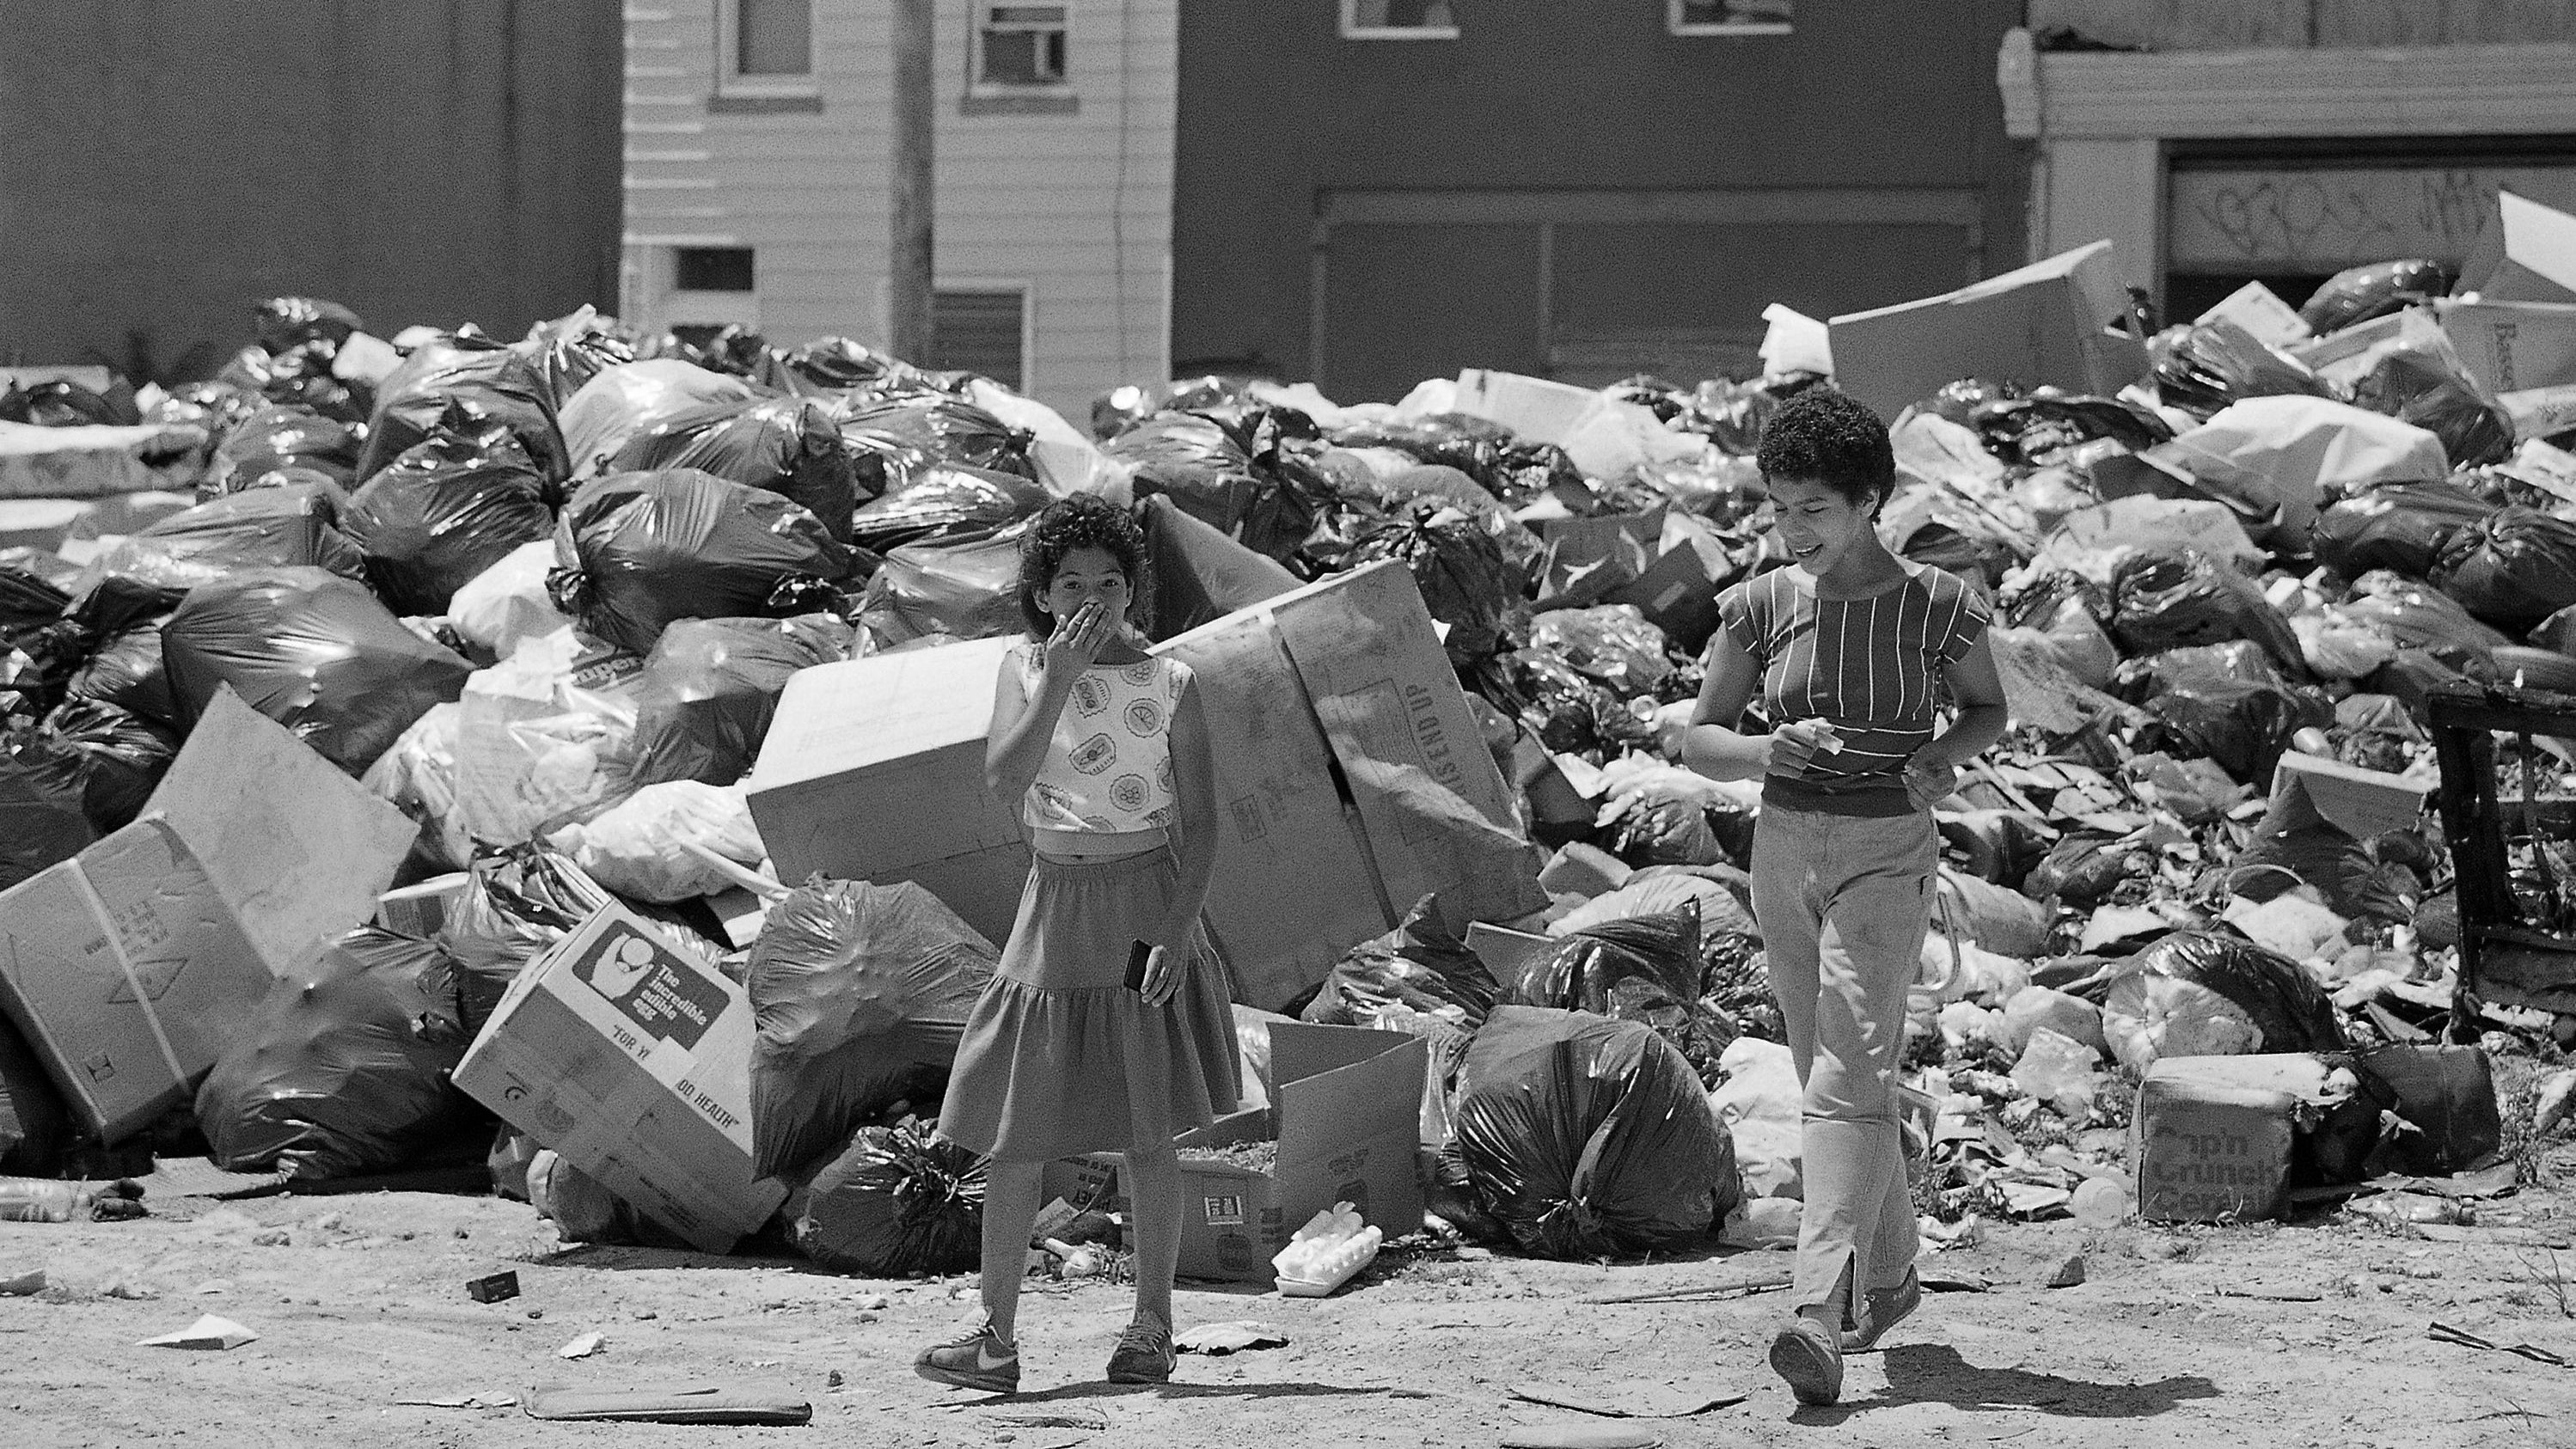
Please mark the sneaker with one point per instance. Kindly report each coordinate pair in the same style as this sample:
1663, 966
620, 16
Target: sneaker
1144, 1354
1886, 1309
976, 1360
1809, 1357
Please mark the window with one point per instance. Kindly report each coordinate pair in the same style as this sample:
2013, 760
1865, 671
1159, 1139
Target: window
1399, 20
765, 47
1019, 45
1729, 17
712, 269
981, 331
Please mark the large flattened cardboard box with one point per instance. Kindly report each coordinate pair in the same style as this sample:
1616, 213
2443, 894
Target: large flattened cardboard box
874, 770
633, 1062
1348, 1123
2527, 254
1352, 781
2043, 323
128, 974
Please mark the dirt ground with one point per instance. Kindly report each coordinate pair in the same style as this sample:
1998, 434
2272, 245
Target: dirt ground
360, 1305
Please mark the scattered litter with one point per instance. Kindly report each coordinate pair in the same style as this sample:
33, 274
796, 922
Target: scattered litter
2069, 1273
493, 1288
1638, 1399
2265, 1294
2442, 1332
1216, 1340
208, 1332
496, 1400
1951, 1280
1580, 1435
583, 1346
25, 1285
694, 1404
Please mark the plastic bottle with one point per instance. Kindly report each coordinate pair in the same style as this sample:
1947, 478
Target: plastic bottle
2102, 1202
34, 1200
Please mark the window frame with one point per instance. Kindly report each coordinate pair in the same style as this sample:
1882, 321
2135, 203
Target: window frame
731, 82
1675, 25
1348, 18
1026, 288
979, 19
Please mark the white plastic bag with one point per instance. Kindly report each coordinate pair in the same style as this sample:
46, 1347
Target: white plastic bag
506, 605
1761, 1107
635, 846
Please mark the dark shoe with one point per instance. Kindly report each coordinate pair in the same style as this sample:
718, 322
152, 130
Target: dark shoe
1144, 1354
1883, 1311
1809, 1357
978, 1360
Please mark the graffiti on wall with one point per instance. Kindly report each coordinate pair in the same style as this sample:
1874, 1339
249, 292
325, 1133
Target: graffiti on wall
2324, 219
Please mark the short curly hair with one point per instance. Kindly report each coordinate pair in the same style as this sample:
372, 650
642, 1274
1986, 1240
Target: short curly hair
1823, 436
1084, 520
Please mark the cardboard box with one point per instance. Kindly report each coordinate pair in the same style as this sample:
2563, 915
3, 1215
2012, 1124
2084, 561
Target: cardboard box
1678, 593
2212, 1136
297, 848
128, 975
633, 1062
2448, 1094
874, 770
1355, 780
420, 910
2361, 803
1347, 1122
2528, 254
2043, 323
1506, 952
2513, 347
40, 523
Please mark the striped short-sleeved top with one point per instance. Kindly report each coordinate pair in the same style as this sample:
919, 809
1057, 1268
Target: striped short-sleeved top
1864, 666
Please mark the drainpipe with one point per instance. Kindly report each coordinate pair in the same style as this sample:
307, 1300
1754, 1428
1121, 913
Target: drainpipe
2026, 119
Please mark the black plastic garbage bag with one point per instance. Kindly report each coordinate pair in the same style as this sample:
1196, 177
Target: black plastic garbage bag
2239, 726
2399, 526
30, 599
1419, 965
1198, 574
861, 994
2421, 386
299, 376
124, 755
898, 438
283, 322
278, 437
707, 692
2081, 870
1470, 445
1570, 713
960, 587
2358, 294
787, 445
2201, 369
293, 526
450, 507
44, 815
2242, 661
1585, 970
2286, 1003
488, 377
1666, 832
2513, 568
345, 1068
1466, 582
108, 648
2420, 616
313, 651
830, 365
635, 551
1588, 1138
2295, 844
944, 501
2171, 598
1233, 474
2034, 430
900, 1201
518, 901
571, 350
62, 403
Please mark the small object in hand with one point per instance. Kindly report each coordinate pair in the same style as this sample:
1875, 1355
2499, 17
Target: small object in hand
1139, 956
493, 1288
1832, 743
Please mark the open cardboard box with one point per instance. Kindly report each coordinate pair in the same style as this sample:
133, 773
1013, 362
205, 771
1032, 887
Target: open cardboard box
2049, 322
1347, 1120
633, 1061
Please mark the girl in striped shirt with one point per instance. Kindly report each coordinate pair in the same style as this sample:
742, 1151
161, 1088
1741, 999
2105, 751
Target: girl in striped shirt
1844, 646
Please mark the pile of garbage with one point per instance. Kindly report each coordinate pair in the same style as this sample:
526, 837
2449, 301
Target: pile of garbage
542, 606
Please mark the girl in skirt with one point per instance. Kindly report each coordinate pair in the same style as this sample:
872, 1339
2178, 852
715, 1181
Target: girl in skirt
1106, 748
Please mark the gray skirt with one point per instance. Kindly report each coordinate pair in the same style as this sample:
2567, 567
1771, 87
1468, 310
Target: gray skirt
1059, 1056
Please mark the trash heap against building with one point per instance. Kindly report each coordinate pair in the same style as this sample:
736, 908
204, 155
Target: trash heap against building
576, 742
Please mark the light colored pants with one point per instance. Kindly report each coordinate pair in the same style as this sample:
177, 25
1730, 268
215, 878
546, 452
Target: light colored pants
1843, 903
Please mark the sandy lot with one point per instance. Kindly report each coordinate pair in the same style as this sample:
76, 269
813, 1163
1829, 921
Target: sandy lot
360, 1306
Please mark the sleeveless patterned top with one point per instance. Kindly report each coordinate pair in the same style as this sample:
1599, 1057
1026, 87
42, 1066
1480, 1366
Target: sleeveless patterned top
1108, 767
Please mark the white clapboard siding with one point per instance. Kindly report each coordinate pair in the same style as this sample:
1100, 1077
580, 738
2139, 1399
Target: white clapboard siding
1036, 200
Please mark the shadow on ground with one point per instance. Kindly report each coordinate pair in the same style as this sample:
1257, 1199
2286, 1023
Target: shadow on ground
1934, 1373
